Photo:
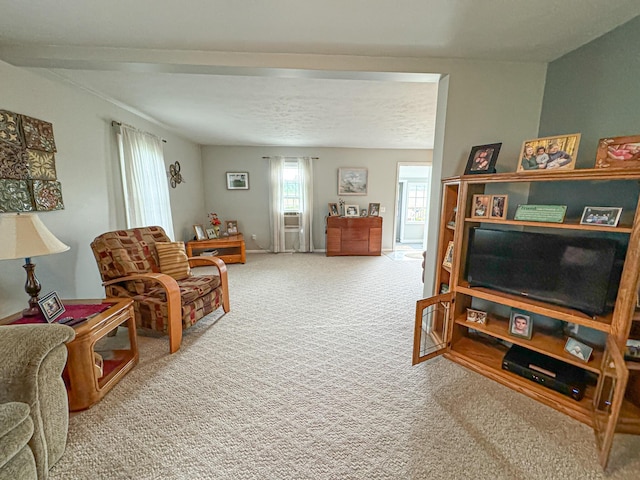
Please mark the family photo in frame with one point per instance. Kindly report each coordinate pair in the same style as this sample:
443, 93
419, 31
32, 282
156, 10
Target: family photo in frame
51, 306
618, 152
549, 153
603, 216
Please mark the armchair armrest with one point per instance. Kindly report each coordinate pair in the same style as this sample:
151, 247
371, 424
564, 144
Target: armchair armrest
23, 348
174, 303
202, 261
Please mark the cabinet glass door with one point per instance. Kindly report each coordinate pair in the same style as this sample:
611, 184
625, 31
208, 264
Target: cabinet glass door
608, 399
431, 332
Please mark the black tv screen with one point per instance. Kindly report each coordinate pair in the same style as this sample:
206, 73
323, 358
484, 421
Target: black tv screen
575, 272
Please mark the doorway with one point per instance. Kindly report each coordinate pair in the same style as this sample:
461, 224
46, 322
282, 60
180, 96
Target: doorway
412, 205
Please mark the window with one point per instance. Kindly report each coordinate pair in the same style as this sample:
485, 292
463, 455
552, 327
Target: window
291, 187
416, 202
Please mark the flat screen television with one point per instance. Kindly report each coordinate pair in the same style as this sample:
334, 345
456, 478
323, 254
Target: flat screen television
576, 272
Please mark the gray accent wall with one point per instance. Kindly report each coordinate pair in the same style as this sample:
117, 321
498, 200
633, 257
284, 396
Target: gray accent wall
595, 90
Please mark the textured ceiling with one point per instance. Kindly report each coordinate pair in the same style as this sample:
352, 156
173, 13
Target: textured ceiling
234, 109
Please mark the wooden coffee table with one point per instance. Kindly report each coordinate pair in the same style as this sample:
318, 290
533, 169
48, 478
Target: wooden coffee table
96, 360
231, 249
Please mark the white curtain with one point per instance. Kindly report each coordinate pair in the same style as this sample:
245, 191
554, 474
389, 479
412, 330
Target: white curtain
276, 217
144, 180
305, 168
304, 176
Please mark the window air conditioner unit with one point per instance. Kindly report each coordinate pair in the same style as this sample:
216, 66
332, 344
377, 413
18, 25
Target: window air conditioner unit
292, 220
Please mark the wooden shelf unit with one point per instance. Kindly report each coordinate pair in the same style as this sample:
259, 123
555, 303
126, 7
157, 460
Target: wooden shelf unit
613, 404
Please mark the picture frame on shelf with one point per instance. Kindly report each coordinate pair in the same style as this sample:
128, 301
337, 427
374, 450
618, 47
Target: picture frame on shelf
476, 316
211, 233
444, 288
578, 349
520, 324
200, 232
364, 212
51, 306
548, 154
374, 209
353, 181
632, 350
618, 152
481, 206
499, 207
351, 211
232, 227
333, 210
447, 262
237, 180
602, 216
452, 221
482, 159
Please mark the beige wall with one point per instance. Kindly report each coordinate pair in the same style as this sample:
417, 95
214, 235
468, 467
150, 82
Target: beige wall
251, 207
87, 167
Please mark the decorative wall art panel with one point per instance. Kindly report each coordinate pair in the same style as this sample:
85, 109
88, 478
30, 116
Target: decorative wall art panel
47, 195
13, 162
10, 128
14, 196
38, 134
42, 165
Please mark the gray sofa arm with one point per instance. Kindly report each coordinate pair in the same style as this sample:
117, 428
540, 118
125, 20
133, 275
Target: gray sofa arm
32, 358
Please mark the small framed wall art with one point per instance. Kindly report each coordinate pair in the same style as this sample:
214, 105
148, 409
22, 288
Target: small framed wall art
237, 180
352, 181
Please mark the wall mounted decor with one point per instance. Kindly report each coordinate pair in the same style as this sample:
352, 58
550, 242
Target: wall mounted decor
28, 179
352, 181
237, 180
176, 176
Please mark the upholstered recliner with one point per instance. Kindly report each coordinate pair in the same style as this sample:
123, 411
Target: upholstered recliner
34, 405
130, 267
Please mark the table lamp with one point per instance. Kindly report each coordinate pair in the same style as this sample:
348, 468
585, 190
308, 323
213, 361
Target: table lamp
25, 236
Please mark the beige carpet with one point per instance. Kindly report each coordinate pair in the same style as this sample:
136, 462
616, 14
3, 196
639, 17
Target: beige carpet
310, 377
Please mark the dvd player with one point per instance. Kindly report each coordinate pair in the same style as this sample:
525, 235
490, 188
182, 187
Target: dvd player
554, 374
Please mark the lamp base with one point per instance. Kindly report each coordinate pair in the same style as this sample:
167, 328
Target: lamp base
31, 312
32, 287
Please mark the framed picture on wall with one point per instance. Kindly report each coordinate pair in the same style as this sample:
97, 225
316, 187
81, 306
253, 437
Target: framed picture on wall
237, 180
352, 181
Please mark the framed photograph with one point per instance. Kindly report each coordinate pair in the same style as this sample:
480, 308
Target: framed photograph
578, 349
618, 152
520, 325
232, 227
444, 288
632, 350
476, 316
364, 213
200, 233
447, 262
333, 210
498, 206
549, 153
374, 209
211, 233
352, 181
481, 206
237, 180
51, 306
482, 159
603, 216
351, 211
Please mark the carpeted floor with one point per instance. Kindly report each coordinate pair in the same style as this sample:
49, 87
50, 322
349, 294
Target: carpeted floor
309, 377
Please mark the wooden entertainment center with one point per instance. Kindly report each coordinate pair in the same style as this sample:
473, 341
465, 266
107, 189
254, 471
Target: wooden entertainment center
612, 402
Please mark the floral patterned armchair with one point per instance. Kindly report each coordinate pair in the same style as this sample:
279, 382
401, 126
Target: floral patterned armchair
131, 267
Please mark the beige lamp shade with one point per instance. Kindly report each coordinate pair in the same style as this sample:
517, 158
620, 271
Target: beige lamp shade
24, 236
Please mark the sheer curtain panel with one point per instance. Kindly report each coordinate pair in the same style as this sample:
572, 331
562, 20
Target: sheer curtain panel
276, 211
144, 181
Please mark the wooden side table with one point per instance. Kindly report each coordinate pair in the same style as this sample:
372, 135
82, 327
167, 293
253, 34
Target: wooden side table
96, 361
231, 249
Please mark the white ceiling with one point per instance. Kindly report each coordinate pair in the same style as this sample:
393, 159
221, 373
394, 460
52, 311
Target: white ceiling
79, 40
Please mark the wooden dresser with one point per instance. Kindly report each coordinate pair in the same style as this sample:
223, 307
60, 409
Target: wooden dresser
354, 236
